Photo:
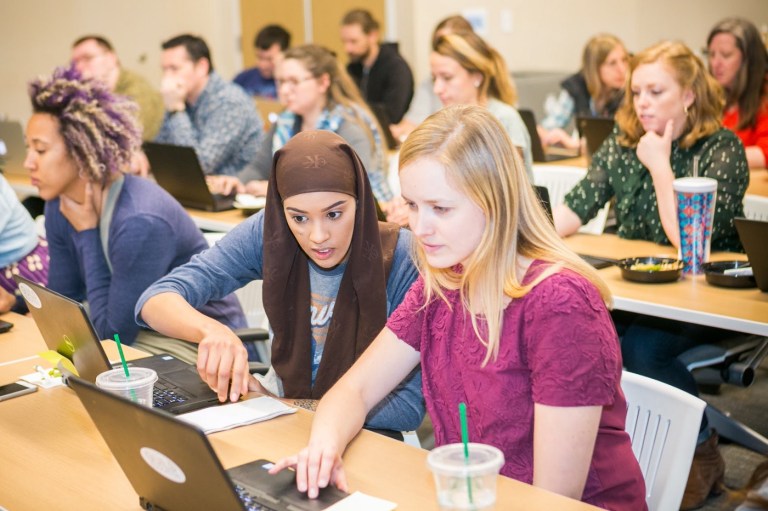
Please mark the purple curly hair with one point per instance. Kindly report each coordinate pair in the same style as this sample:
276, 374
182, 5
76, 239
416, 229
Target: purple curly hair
100, 129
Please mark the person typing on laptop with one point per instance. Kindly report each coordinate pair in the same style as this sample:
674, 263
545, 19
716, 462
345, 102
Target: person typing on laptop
110, 235
332, 274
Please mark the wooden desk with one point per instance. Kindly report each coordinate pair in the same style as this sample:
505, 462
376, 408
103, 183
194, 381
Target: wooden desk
223, 221
690, 299
54, 458
758, 182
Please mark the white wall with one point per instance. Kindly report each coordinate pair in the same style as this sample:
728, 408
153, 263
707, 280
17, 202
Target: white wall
545, 34
37, 36
550, 34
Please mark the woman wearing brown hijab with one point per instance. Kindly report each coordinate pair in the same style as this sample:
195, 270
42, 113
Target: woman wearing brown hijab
332, 275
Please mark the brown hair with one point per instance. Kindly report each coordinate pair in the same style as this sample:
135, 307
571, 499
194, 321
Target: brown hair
748, 89
689, 72
452, 24
595, 53
361, 17
476, 56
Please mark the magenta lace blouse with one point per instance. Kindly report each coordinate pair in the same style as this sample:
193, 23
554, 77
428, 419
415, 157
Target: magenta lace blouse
558, 347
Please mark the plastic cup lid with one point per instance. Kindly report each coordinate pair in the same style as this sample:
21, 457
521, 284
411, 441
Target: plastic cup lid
694, 184
449, 459
115, 379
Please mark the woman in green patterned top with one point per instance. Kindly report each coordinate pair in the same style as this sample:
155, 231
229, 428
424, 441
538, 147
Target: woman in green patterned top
670, 120
669, 123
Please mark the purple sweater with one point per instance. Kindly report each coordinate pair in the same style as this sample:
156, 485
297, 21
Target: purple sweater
558, 347
150, 234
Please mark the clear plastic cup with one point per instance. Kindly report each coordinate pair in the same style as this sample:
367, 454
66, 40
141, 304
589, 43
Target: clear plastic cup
138, 388
465, 484
695, 198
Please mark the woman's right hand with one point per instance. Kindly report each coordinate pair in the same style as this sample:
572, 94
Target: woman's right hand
222, 362
316, 466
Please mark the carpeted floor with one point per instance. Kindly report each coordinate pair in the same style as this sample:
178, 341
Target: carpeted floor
750, 406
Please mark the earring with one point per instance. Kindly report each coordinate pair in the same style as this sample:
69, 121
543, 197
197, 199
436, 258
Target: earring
685, 109
477, 84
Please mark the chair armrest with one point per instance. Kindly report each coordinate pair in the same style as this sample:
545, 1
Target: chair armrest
252, 334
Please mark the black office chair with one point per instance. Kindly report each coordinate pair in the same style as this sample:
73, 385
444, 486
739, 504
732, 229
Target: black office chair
733, 361
255, 335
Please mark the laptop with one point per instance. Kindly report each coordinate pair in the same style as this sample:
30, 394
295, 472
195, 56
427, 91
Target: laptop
268, 109
595, 130
171, 463
178, 171
540, 154
12, 149
754, 236
66, 329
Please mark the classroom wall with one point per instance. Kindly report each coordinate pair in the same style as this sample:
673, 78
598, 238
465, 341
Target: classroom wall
37, 36
550, 34
540, 35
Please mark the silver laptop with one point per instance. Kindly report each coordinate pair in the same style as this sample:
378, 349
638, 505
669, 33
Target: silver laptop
66, 329
12, 148
172, 465
177, 169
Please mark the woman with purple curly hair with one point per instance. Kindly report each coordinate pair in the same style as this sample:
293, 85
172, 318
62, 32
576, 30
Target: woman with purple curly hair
110, 235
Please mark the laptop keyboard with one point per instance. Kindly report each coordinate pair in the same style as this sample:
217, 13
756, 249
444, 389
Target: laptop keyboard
166, 394
249, 501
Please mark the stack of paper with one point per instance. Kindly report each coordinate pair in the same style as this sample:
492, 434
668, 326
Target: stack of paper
219, 418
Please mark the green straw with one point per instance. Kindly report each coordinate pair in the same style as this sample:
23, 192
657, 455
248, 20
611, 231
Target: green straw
465, 441
125, 367
122, 357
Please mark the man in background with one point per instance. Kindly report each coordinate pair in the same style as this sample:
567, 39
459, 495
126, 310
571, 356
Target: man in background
269, 45
94, 57
382, 75
203, 111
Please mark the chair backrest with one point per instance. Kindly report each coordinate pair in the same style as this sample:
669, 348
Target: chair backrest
756, 207
663, 423
559, 179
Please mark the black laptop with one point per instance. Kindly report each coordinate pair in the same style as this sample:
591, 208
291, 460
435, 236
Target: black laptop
595, 130
539, 153
178, 171
754, 237
12, 149
66, 329
172, 466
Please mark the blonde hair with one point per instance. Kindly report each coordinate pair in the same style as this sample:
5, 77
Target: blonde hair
705, 112
595, 53
320, 61
481, 162
476, 56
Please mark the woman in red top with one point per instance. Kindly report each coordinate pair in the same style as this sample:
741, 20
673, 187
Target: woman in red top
739, 62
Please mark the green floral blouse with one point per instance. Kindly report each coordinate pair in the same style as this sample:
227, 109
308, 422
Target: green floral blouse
616, 171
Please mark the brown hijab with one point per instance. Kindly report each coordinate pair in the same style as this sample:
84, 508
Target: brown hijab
315, 161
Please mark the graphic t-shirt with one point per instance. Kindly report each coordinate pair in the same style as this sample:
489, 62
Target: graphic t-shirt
324, 286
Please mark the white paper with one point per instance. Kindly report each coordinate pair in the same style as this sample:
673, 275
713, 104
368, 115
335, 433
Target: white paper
43, 382
359, 500
220, 418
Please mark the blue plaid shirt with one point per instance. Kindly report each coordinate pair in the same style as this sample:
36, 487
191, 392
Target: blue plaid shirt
223, 127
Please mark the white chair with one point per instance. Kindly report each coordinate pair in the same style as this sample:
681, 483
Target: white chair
756, 207
559, 179
663, 424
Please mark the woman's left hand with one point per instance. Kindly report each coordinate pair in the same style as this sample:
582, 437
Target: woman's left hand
82, 216
654, 151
